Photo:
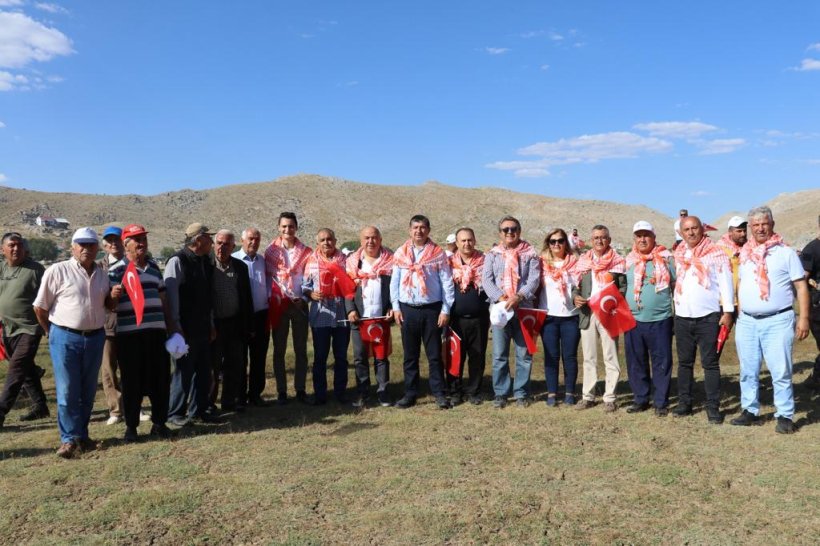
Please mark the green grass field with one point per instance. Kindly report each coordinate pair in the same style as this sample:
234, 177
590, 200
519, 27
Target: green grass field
332, 475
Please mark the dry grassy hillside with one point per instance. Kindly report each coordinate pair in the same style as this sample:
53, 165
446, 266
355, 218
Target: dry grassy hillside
795, 216
321, 201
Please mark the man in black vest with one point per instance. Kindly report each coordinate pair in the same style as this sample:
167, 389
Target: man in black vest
188, 285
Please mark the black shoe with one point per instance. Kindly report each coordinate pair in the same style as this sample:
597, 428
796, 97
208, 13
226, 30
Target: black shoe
241, 408
522, 402
130, 435
212, 410
406, 402
682, 410
456, 400
714, 416
282, 399
746, 419
2, 420
443, 403
359, 402
301, 396
40, 371
258, 402
637, 408
314, 401
161, 431
499, 402
476, 400
179, 420
661, 412
36, 413
342, 399
206, 418
785, 426
384, 399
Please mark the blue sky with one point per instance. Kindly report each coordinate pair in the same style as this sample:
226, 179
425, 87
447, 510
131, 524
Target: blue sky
714, 106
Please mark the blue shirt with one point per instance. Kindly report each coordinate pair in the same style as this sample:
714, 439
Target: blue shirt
260, 289
439, 281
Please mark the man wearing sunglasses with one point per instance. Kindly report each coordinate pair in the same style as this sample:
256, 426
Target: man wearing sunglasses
511, 275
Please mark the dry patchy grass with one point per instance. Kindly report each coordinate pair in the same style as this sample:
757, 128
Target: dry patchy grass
332, 475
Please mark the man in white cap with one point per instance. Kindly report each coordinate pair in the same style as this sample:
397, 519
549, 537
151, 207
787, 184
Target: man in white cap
650, 276
451, 247
731, 242
71, 306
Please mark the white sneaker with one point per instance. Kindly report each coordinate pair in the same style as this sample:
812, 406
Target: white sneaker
113, 420
144, 417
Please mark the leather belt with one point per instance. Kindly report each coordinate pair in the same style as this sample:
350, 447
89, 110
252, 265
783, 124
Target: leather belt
84, 333
766, 315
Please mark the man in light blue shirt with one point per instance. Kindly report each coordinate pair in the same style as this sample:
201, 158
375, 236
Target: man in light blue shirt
422, 293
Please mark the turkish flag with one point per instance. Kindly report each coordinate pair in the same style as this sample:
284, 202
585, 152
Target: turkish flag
709, 227
3, 355
612, 310
375, 333
276, 305
532, 321
133, 286
344, 287
451, 353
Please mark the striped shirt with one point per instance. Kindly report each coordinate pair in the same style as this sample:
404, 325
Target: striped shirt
152, 283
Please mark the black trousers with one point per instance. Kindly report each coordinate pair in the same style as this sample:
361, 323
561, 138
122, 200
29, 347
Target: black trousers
252, 369
145, 370
22, 373
420, 325
361, 365
814, 314
693, 334
474, 333
226, 361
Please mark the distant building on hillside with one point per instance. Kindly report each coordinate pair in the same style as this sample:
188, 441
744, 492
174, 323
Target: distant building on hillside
50, 221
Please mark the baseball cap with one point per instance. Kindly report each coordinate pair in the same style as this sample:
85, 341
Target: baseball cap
85, 235
132, 230
451, 239
737, 221
642, 225
112, 230
197, 229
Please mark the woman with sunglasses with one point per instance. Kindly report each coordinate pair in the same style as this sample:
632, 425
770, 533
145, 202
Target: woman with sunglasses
560, 333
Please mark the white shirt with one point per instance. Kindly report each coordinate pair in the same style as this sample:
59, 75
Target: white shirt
695, 301
73, 298
260, 289
783, 267
552, 300
298, 276
371, 293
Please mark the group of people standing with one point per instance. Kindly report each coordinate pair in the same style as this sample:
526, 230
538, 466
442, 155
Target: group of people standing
213, 311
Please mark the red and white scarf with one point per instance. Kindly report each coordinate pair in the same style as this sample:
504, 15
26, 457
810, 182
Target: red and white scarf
609, 262
432, 256
382, 266
756, 252
706, 254
512, 259
560, 274
465, 274
276, 256
727, 243
661, 277
317, 266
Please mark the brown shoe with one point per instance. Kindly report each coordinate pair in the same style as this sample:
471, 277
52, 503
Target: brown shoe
87, 444
610, 407
584, 404
67, 450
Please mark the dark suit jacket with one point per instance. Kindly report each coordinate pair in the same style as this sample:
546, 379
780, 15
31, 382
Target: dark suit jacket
584, 289
357, 304
243, 284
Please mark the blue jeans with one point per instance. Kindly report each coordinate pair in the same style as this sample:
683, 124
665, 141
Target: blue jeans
501, 361
650, 342
560, 337
76, 360
323, 339
770, 338
191, 381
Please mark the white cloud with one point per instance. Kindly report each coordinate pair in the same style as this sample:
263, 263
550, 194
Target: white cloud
3, 178
496, 50
2, 125
814, 47
555, 37
9, 81
532, 34
10, 3
675, 129
701, 193
24, 40
51, 8
720, 146
545, 67
812, 161
582, 149
807, 65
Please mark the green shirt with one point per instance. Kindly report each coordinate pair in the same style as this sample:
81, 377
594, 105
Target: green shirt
655, 306
18, 289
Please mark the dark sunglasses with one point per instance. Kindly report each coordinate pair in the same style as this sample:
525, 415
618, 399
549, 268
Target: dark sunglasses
557, 241
513, 229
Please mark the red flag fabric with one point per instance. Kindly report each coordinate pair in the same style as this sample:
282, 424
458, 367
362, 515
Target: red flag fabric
451, 353
276, 305
375, 335
709, 227
612, 310
3, 355
532, 321
723, 333
344, 287
133, 286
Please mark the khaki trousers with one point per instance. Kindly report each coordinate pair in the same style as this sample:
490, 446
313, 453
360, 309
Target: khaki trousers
110, 382
589, 345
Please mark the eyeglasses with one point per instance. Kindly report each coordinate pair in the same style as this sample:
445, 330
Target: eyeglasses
513, 229
557, 241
